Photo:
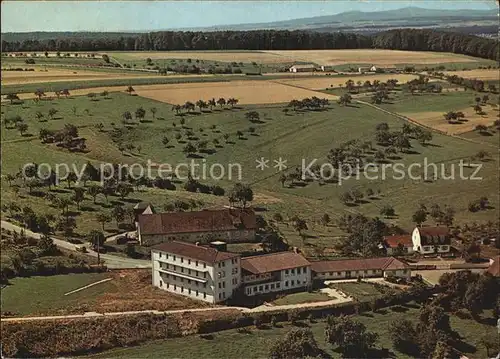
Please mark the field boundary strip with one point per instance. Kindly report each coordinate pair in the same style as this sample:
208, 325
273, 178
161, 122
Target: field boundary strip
88, 286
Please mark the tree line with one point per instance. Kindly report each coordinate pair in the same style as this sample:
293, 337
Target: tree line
398, 39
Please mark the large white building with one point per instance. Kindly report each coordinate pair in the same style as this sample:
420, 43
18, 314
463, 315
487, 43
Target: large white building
198, 272
431, 240
211, 274
275, 272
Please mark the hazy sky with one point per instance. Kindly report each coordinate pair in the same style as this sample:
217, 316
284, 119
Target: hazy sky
21, 16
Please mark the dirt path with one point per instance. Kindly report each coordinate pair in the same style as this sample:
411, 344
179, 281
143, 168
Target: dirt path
88, 286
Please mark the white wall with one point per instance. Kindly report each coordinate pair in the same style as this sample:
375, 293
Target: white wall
300, 278
353, 274
220, 280
427, 249
415, 238
402, 273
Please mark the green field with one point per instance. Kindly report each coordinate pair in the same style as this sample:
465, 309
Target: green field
360, 291
38, 295
294, 136
302, 297
230, 344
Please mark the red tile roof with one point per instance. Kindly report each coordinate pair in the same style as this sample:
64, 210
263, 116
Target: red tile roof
494, 268
434, 236
199, 221
382, 263
434, 231
202, 253
273, 262
393, 241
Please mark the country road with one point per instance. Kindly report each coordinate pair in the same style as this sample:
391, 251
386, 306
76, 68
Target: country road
111, 261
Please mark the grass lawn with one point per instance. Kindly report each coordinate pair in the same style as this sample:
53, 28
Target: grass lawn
34, 295
129, 290
302, 297
361, 291
230, 344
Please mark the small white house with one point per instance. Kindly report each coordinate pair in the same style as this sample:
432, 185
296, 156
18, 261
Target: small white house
431, 240
302, 68
362, 70
394, 242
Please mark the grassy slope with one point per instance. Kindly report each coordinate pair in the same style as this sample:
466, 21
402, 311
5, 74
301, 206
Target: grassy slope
230, 344
300, 135
46, 294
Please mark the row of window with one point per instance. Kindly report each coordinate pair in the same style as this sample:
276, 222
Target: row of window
168, 276
266, 287
183, 270
223, 264
197, 293
174, 258
292, 271
430, 248
352, 272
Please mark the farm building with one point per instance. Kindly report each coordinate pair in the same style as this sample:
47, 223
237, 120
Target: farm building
303, 68
142, 208
430, 240
230, 225
364, 268
392, 243
196, 271
364, 69
275, 272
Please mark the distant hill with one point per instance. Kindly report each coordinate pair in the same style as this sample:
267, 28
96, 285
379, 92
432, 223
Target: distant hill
409, 15
352, 21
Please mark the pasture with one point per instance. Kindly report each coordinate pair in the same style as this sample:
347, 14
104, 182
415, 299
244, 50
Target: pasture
326, 82
428, 109
294, 136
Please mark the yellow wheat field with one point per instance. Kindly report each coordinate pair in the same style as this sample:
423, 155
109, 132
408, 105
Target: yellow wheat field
61, 75
247, 92
223, 56
386, 58
480, 74
437, 121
